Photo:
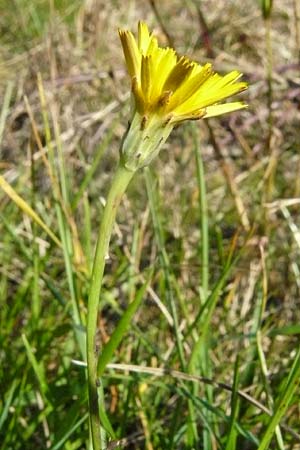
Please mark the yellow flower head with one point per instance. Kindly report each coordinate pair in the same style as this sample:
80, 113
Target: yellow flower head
172, 86
167, 90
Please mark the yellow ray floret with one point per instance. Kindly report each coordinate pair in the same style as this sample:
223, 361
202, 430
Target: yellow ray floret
174, 87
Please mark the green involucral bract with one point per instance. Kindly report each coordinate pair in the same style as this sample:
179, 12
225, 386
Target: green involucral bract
143, 140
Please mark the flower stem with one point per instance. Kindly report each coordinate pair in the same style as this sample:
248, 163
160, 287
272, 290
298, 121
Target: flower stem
118, 187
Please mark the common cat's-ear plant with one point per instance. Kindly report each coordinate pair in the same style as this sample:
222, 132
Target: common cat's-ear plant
167, 89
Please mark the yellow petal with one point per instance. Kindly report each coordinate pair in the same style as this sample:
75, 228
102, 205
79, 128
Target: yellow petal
230, 77
166, 59
192, 115
178, 75
131, 53
175, 88
217, 110
209, 95
138, 96
188, 89
144, 37
153, 46
146, 78
211, 98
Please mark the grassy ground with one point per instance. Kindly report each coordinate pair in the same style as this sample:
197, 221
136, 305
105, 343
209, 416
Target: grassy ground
207, 239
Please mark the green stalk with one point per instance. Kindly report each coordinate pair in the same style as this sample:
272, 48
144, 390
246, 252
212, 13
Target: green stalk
199, 361
118, 187
165, 264
203, 210
36, 303
268, 38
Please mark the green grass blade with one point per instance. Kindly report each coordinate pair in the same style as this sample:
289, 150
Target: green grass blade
203, 358
282, 402
232, 433
118, 334
61, 208
267, 388
288, 330
69, 433
8, 402
203, 211
37, 368
206, 311
95, 163
164, 260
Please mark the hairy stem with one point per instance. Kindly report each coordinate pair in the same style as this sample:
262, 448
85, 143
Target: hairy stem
118, 187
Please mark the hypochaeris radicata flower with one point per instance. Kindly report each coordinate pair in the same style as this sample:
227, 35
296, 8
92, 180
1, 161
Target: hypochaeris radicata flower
168, 89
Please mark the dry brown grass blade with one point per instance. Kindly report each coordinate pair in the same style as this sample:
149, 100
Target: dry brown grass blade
26, 208
176, 374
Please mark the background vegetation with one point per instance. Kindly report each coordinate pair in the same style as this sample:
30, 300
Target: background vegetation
214, 259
